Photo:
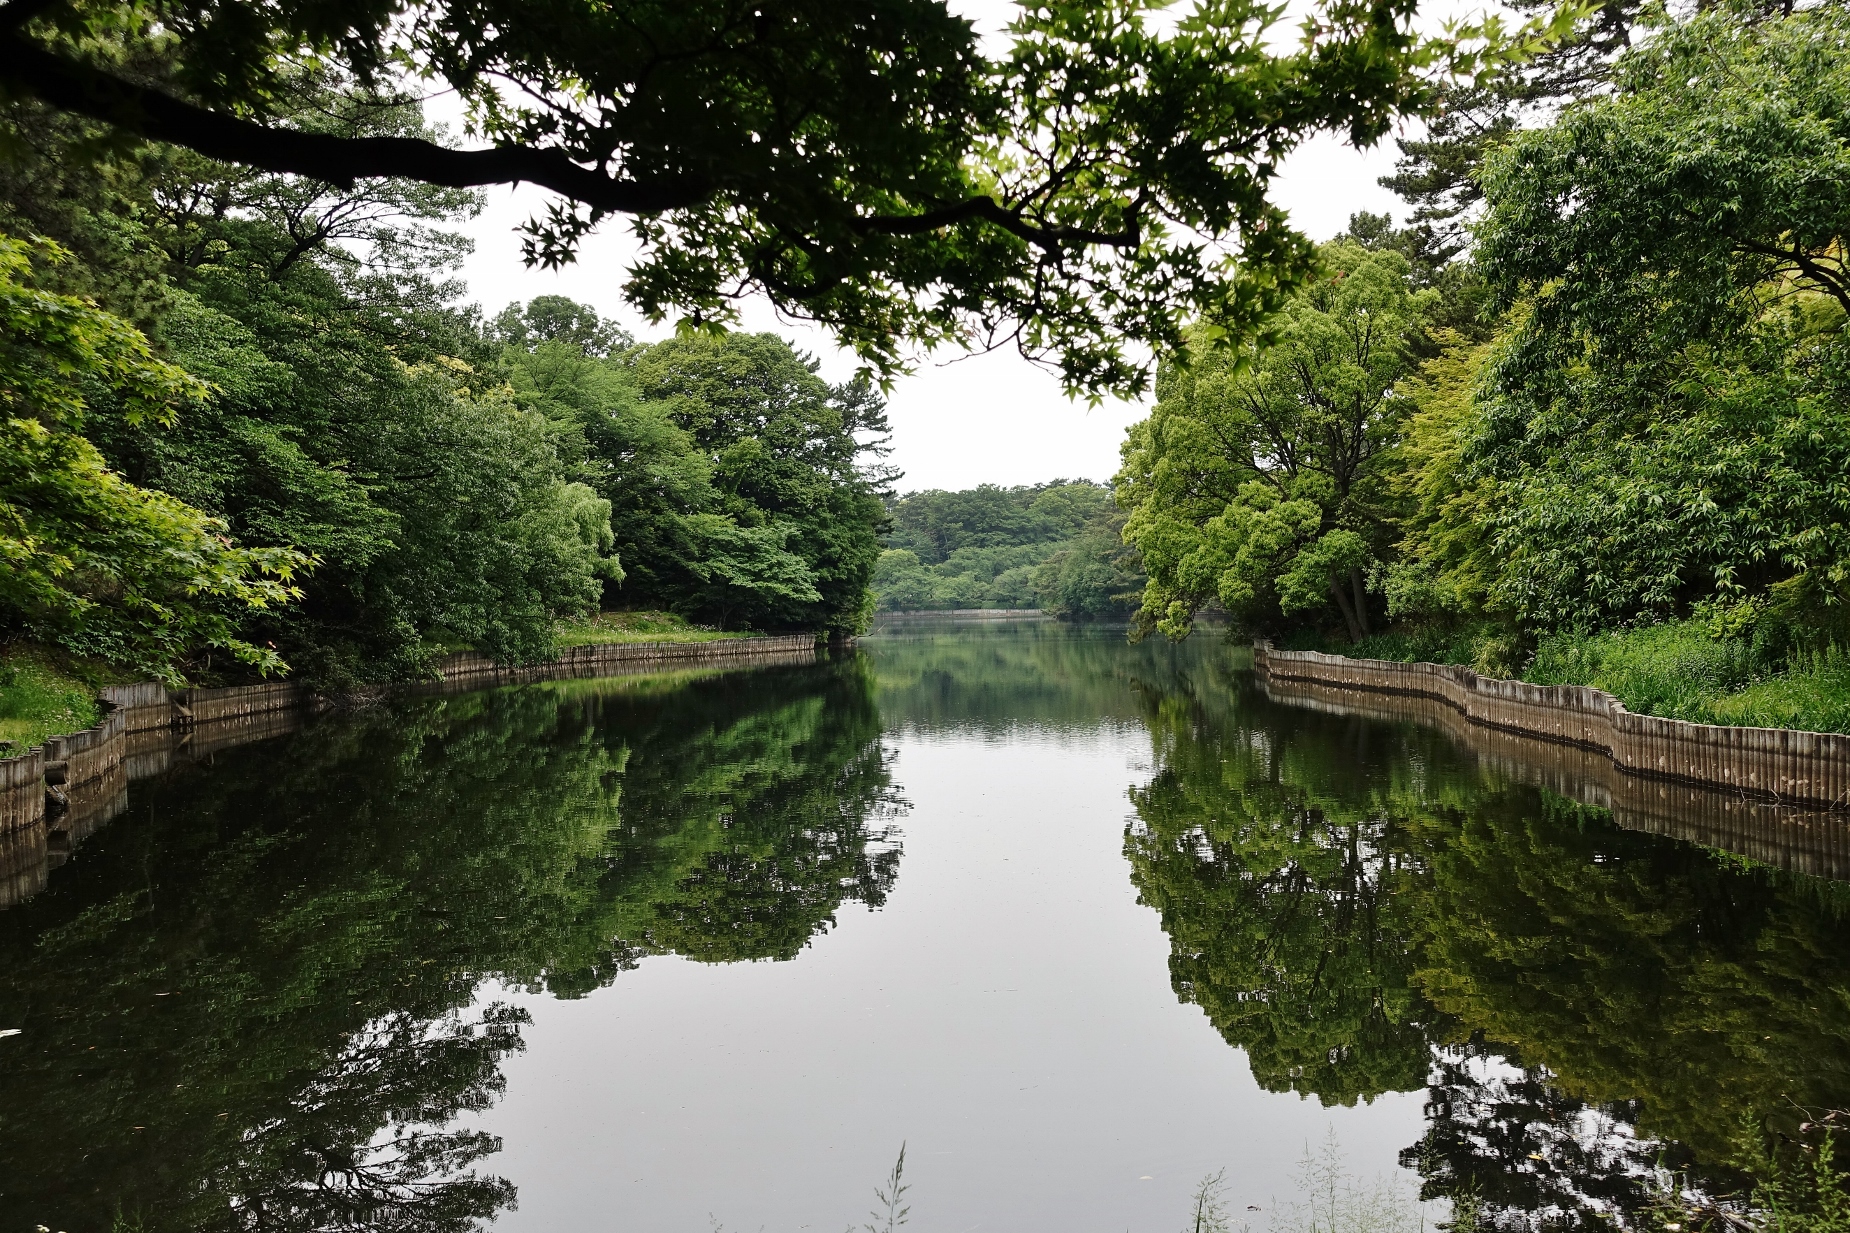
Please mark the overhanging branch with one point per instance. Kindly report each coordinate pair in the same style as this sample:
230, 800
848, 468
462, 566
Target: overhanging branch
989, 210
90, 91
337, 160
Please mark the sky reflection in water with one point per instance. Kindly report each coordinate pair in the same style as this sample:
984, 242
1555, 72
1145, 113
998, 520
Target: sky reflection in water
716, 945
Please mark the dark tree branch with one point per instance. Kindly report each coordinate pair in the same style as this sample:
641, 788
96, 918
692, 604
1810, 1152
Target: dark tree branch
989, 210
158, 116
337, 160
1807, 266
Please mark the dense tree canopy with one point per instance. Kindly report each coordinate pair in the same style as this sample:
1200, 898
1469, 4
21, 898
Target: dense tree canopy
1261, 478
1624, 405
735, 474
1668, 414
863, 164
1055, 546
86, 558
1439, 170
453, 482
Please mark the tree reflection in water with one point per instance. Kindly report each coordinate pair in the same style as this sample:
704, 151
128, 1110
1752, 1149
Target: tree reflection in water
1363, 909
252, 1004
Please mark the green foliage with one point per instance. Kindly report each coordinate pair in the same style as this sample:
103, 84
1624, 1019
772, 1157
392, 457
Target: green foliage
1798, 1185
1625, 411
454, 486
1055, 546
1445, 569
861, 164
732, 470
784, 449
1095, 575
750, 567
936, 524
1439, 171
41, 696
87, 559
1665, 422
1262, 479
561, 321
645, 626
1682, 670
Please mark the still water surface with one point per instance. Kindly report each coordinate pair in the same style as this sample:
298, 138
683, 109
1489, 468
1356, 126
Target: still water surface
1077, 921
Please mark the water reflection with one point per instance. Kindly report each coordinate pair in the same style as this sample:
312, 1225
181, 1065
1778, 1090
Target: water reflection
1366, 908
994, 679
256, 999
249, 1004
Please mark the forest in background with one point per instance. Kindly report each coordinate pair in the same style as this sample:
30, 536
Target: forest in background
250, 428
1580, 419
1056, 546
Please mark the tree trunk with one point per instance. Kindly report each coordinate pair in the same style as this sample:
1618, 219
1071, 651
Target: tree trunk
1342, 602
1361, 601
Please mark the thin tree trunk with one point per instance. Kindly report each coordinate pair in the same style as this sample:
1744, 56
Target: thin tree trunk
1342, 602
1361, 601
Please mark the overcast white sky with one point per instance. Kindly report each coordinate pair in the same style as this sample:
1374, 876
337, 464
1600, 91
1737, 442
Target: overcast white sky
956, 423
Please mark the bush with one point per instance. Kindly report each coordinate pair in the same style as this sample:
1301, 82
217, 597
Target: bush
1682, 670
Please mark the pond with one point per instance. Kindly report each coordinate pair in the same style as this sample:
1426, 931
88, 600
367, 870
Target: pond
1077, 922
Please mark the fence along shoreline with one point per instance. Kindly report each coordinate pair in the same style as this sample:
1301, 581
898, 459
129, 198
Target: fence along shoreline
1779, 765
1773, 795
54, 796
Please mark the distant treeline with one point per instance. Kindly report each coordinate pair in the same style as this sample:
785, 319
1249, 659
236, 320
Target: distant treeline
1057, 546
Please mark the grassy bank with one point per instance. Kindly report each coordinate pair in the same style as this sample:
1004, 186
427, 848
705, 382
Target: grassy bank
43, 694
1680, 671
607, 627
46, 694
1676, 669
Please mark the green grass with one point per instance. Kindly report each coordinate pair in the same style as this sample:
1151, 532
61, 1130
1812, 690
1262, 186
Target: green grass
41, 695
608, 627
1680, 671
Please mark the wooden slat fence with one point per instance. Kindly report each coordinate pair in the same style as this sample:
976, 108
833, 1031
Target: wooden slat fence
1774, 764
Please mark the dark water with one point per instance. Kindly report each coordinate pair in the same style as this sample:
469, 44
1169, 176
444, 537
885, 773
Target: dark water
1077, 921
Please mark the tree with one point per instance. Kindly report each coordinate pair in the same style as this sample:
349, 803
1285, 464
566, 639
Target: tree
87, 559
561, 321
347, 416
748, 565
1095, 575
1054, 546
861, 164
1664, 422
1439, 172
784, 449
1261, 477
